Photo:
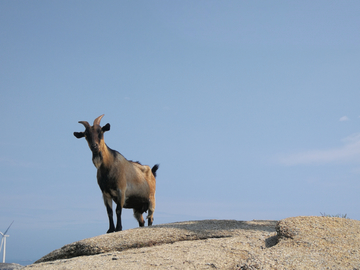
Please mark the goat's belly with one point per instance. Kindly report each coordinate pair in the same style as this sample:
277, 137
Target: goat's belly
137, 202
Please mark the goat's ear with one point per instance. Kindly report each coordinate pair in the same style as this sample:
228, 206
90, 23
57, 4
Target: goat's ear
106, 127
79, 134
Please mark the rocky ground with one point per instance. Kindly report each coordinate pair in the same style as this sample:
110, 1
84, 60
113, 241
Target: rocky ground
292, 243
10, 266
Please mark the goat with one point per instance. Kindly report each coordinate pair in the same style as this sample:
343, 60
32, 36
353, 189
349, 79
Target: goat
129, 184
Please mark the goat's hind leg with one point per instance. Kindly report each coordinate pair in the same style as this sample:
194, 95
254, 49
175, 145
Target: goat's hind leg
108, 205
150, 216
139, 217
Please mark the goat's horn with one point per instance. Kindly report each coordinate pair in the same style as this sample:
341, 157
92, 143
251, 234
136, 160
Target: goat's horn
97, 120
85, 123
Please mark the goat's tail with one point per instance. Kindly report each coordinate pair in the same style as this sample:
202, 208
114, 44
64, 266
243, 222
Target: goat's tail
154, 169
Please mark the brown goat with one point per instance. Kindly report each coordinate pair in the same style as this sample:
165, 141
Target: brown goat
129, 184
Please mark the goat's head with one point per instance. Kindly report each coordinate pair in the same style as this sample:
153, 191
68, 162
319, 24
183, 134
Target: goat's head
94, 135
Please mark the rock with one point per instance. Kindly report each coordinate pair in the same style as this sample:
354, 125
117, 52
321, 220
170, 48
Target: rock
292, 243
155, 235
10, 266
312, 243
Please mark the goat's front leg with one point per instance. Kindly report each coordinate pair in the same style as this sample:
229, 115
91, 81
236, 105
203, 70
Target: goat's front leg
120, 203
108, 204
118, 217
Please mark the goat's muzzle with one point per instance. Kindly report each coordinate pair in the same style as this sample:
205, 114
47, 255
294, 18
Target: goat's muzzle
95, 148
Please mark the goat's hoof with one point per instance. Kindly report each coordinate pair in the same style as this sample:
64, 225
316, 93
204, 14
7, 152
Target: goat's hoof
141, 224
110, 231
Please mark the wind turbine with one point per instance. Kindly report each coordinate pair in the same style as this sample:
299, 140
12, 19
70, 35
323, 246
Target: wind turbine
3, 241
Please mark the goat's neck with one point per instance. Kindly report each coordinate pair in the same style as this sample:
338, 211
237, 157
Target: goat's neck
104, 158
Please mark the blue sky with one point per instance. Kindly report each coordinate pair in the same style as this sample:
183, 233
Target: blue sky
251, 108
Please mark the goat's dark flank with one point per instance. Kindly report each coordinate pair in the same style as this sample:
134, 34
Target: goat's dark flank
129, 184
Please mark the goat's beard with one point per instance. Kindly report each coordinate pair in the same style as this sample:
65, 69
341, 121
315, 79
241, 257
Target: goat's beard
97, 159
